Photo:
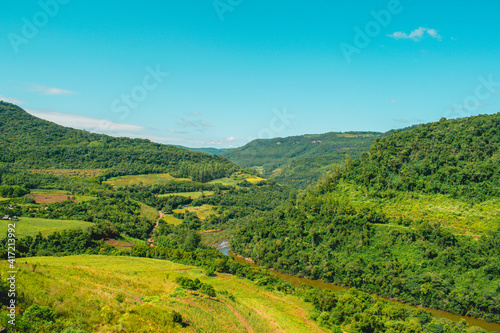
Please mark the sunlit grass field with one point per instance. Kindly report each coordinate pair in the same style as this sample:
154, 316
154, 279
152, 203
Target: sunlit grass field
151, 179
125, 294
170, 219
192, 195
29, 226
201, 211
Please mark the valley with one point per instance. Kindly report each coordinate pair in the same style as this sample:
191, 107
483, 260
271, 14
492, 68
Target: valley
118, 234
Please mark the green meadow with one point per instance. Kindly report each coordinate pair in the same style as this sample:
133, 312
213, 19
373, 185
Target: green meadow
28, 226
127, 294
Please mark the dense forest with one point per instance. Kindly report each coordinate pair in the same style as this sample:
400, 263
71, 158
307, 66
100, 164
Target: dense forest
301, 160
327, 235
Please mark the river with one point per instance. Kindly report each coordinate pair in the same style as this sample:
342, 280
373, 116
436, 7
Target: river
298, 281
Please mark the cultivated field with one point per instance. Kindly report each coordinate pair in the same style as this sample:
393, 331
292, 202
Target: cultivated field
170, 219
152, 179
28, 226
43, 196
124, 294
192, 195
201, 211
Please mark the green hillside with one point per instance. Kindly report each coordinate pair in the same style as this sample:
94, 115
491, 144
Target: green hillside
301, 160
417, 218
28, 142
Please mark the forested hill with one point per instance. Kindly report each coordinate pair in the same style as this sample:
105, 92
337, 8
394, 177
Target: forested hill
301, 160
30, 142
416, 218
459, 157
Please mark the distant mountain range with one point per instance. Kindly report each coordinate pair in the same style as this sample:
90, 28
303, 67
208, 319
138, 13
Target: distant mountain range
301, 160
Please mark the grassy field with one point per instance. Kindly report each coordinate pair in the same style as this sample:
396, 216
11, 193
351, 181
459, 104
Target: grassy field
83, 198
254, 179
123, 294
170, 219
149, 212
28, 226
201, 211
192, 195
152, 179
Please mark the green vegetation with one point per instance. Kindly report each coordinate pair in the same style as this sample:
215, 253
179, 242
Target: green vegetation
27, 226
415, 218
192, 195
27, 142
137, 294
354, 228
153, 179
301, 160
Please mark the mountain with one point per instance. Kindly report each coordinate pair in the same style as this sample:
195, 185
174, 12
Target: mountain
209, 151
417, 218
28, 142
301, 160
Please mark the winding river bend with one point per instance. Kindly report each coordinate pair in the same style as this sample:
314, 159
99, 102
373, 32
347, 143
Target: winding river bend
298, 281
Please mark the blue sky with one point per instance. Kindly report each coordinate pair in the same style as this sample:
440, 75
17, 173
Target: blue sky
221, 73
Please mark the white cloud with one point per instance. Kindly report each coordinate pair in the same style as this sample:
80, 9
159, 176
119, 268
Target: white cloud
416, 34
12, 100
84, 122
50, 90
393, 101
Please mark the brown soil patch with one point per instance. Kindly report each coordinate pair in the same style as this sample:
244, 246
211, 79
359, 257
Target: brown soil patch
120, 245
42, 198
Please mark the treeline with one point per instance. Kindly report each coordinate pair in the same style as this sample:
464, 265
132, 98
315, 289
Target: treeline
421, 263
28, 142
124, 214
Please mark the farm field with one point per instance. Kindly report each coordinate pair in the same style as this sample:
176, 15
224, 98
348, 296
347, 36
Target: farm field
192, 195
151, 179
170, 219
45, 196
29, 226
201, 211
129, 294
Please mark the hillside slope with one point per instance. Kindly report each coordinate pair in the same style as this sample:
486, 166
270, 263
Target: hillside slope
354, 228
301, 160
28, 142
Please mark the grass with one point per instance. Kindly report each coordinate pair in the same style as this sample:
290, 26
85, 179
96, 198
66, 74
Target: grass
201, 211
28, 226
126, 294
192, 195
83, 198
254, 179
151, 179
135, 241
149, 212
170, 219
